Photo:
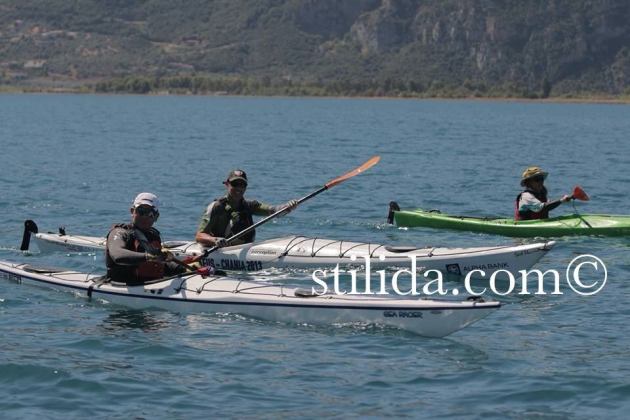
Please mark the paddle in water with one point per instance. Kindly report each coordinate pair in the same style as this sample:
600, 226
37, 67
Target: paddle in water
579, 194
367, 165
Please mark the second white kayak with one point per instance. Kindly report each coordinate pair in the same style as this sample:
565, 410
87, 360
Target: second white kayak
302, 252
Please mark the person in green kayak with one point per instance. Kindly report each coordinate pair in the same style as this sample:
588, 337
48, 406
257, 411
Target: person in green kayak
231, 214
532, 203
133, 252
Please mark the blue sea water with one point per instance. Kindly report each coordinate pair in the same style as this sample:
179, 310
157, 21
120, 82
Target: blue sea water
78, 161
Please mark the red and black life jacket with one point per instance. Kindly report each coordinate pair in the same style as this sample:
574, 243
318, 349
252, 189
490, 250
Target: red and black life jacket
532, 215
148, 270
137, 241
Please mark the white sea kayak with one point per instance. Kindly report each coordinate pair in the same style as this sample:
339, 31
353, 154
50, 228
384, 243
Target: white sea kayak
194, 293
304, 252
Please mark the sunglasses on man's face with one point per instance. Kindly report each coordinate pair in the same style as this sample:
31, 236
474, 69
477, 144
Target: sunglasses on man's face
238, 184
146, 211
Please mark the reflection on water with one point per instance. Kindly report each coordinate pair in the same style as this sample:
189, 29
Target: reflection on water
135, 320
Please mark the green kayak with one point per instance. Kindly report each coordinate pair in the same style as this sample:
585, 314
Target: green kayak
574, 224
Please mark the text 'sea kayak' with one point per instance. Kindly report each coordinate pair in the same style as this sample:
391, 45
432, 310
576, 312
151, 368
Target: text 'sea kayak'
574, 224
302, 253
194, 293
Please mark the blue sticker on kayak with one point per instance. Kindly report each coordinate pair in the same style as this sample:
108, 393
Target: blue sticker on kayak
453, 269
402, 314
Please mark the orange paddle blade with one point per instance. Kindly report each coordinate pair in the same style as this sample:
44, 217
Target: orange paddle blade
579, 194
367, 165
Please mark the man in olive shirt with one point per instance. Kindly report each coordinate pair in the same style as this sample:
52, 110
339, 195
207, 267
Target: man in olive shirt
232, 214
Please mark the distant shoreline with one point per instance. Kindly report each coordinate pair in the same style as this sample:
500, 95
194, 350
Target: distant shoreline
88, 89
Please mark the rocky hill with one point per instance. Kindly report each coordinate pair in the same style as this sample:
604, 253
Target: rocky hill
526, 48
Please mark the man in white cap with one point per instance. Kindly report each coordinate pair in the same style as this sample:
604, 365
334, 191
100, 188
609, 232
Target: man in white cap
231, 214
532, 203
134, 251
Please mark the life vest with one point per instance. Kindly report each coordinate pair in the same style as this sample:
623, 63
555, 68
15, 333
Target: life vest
138, 242
148, 270
239, 220
532, 215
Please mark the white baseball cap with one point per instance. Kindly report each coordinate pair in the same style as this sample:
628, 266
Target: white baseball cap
147, 199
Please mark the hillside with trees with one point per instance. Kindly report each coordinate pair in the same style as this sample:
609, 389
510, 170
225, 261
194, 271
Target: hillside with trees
448, 48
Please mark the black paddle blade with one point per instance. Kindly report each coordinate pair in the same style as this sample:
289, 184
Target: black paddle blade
29, 227
393, 206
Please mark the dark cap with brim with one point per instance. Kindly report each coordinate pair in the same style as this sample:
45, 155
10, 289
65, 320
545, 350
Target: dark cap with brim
237, 174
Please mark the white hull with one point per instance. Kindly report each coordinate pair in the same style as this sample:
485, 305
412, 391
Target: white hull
54, 242
303, 252
430, 318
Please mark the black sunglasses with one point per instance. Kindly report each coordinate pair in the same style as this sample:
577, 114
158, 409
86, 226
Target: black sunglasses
238, 184
146, 211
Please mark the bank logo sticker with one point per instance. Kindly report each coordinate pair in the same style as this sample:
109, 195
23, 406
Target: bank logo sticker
453, 269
